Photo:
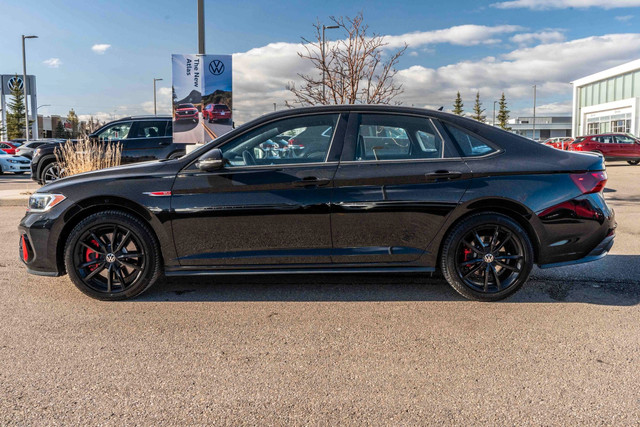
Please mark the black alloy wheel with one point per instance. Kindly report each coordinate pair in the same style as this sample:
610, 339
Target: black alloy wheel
51, 172
112, 255
633, 162
487, 257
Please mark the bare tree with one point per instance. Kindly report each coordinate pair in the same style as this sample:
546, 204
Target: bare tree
354, 68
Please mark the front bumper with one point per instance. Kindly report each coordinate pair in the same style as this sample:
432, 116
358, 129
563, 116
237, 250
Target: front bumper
40, 233
15, 167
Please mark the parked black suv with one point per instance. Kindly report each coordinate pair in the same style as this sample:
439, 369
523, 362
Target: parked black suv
142, 138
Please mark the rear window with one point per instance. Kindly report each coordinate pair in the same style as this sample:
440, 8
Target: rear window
470, 145
580, 139
220, 107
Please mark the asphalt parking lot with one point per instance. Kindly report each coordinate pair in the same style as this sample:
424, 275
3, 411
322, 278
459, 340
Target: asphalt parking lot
383, 349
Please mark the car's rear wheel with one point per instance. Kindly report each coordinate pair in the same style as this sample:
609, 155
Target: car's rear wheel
633, 162
51, 172
112, 256
487, 257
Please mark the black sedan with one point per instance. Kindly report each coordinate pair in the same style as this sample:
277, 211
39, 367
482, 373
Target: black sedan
339, 189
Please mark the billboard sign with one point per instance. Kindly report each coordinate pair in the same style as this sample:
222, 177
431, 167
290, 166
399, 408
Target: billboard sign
202, 101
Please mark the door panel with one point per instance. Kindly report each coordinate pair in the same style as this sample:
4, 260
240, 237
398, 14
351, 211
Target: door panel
253, 216
270, 204
390, 210
145, 141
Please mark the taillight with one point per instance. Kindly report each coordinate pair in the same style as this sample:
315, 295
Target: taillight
590, 182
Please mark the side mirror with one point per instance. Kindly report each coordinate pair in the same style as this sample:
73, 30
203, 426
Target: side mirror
211, 161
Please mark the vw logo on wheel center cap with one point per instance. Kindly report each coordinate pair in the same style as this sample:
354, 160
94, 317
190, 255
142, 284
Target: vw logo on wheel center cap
488, 258
111, 258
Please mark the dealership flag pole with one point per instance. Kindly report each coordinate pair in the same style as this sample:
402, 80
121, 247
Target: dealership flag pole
201, 27
154, 95
24, 88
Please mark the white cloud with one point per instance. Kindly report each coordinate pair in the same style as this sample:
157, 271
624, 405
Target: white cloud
464, 35
564, 4
413, 53
100, 48
552, 109
260, 75
624, 18
52, 62
551, 36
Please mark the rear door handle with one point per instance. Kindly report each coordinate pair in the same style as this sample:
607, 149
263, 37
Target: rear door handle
443, 175
311, 181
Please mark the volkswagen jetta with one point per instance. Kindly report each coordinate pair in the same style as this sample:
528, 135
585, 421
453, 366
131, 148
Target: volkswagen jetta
363, 189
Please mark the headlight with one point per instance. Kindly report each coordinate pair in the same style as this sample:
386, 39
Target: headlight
12, 161
42, 202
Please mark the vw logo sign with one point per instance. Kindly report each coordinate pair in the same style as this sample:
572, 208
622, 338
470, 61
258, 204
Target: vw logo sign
216, 67
111, 258
15, 82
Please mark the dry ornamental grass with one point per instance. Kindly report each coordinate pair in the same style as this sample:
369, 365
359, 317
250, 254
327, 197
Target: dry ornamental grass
86, 156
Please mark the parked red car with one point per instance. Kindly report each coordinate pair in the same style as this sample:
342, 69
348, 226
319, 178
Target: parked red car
186, 112
561, 143
613, 146
214, 112
8, 148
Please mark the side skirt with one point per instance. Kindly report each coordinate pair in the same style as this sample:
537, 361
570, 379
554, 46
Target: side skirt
326, 270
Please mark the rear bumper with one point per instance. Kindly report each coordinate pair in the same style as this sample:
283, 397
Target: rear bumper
597, 253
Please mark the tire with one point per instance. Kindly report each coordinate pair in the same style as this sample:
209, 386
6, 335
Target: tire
633, 162
494, 267
50, 173
176, 155
111, 269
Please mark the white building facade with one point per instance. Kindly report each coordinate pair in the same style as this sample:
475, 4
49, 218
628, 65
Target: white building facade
607, 101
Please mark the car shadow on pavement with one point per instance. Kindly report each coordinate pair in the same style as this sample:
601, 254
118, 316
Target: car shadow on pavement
572, 284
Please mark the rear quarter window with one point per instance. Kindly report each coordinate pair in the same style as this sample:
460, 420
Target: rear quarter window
469, 145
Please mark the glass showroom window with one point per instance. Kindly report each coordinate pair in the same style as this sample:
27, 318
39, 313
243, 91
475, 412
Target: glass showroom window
592, 128
619, 126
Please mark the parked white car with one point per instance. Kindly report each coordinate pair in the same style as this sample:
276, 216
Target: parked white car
15, 164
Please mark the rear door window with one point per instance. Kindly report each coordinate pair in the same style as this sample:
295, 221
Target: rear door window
396, 137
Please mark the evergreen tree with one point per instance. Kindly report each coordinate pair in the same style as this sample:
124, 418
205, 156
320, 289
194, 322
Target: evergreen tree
457, 105
478, 110
15, 114
503, 114
59, 131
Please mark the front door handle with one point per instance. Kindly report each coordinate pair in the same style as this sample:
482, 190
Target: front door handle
443, 175
311, 181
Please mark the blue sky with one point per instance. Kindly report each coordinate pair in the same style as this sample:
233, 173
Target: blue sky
491, 46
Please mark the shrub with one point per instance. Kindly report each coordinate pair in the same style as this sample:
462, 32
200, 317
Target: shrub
86, 155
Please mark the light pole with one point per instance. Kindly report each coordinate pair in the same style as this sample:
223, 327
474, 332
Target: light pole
24, 87
494, 113
274, 106
324, 63
534, 112
154, 95
201, 27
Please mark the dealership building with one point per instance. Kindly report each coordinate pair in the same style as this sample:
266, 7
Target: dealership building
608, 101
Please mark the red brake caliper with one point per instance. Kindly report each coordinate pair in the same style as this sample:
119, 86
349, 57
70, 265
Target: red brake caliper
91, 255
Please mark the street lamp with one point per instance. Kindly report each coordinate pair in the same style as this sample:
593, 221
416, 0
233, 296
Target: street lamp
534, 112
154, 95
324, 63
24, 87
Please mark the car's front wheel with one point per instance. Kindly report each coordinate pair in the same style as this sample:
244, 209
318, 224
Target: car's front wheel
51, 172
487, 257
633, 162
112, 255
